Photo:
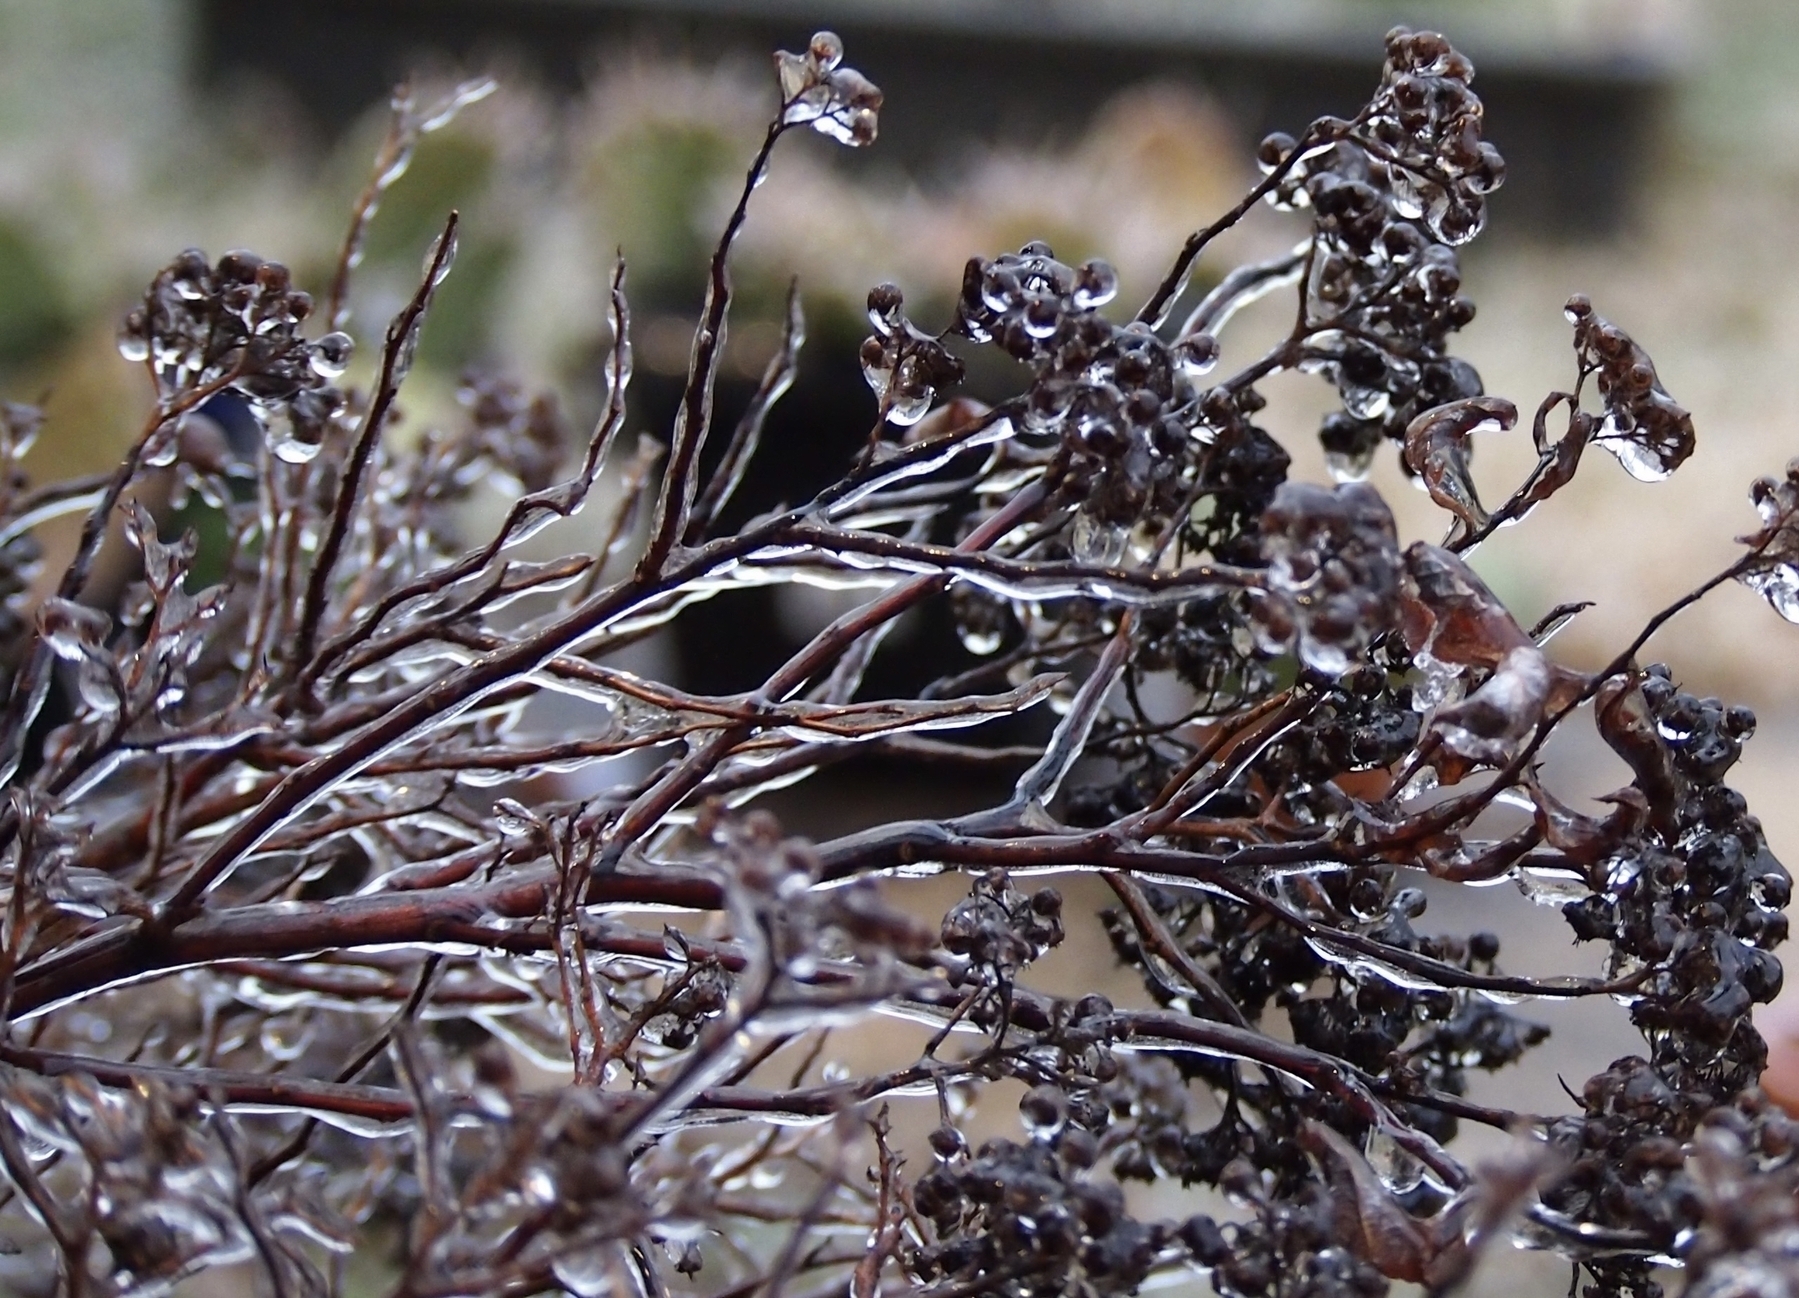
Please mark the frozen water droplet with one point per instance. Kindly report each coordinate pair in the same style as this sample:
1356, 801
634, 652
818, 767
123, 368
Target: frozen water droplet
1196, 354
1094, 541
999, 290
134, 348
330, 355
1041, 317
164, 446
514, 818
1640, 462
586, 1272
1398, 1170
1043, 1112
1778, 585
1095, 285
1451, 223
72, 631
979, 641
1367, 403
291, 449
1322, 655
906, 406
877, 367
1349, 466
1406, 199
826, 49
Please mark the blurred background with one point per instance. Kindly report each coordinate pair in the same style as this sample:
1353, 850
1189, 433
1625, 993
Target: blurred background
1654, 162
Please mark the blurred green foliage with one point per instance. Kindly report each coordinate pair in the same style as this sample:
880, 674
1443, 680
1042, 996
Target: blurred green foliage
35, 313
655, 184
449, 170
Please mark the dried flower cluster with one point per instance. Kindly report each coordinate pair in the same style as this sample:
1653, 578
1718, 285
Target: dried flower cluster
316, 940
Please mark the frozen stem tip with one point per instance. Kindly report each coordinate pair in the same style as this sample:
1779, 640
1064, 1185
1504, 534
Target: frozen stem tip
834, 100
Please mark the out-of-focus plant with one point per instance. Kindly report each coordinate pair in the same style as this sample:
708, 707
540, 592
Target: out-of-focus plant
305, 943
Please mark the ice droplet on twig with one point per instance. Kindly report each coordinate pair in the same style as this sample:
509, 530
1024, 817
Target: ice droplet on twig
1775, 575
979, 641
1097, 542
1778, 585
1349, 466
586, 1272
288, 446
330, 355
1398, 1170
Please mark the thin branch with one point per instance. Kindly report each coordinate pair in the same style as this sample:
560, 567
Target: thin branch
782, 367
693, 421
396, 361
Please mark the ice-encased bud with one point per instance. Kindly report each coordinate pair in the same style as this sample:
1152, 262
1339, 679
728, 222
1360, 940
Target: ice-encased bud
1775, 573
1649, 432
817, 91
72, 631
903, 366
134, 340
1333, 573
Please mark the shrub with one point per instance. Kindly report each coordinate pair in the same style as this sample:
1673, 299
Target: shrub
283, 979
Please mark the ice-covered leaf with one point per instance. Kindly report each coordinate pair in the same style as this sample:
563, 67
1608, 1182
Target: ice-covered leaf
1458, 629
1437, 449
